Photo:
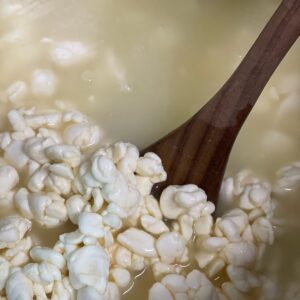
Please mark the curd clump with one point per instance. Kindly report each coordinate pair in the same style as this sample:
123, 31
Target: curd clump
56, 169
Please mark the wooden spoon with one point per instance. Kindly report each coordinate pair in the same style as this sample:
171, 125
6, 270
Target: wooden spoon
197, 152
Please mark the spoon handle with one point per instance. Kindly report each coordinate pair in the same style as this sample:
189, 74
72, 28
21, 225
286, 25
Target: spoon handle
253, 73
197, 151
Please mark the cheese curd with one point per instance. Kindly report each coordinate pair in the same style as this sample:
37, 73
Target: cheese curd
66, 174
12, 230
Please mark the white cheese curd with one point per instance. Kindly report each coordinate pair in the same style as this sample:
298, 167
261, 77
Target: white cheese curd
240, 254
112, 292
159, 291
12, 230
39, 291
203, 258
263, 230
153, 225
63, 153
75, 205
228, 228
170, 247
121, 277
91, 224
36, 182
159, 269
215, 267
5, 140
176, 200
175, 283
242, 279
89, 293
152, 206
43, 273
82, 135
46, 209
19, 254
138, 241
231, 292
186, 224
214, 244
4, 271
63, 290
195, 285
89, 266
18, 286
16, 120
150, 165
125, 156
48, 119
117, 210
254, 196
68, 242
195, 279
40, 254
62, 170
103, 169
111, 220
123, 257
9, 178
35, 148
204, 225
15, 155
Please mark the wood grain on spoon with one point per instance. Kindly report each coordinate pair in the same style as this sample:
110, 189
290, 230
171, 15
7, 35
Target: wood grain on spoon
197, 151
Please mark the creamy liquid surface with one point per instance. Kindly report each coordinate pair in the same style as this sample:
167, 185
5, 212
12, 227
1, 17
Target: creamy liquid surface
155, 63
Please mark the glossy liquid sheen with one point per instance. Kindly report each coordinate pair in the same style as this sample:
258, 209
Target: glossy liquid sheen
155, 64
